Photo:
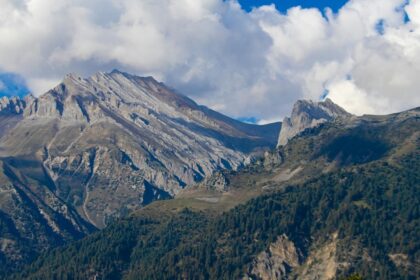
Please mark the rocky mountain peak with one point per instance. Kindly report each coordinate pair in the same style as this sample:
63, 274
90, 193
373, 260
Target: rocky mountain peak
72, 77
307, 114
78, 99
318, 110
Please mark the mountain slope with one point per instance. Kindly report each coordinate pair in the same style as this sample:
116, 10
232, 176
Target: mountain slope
32, 218
327, 209
94, 149
125, 141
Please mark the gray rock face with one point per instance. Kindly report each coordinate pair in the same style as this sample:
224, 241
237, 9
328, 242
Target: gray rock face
33, 218
113, 142
218, 182
282, 260
277, 261
11, 111
308, 114
13, 105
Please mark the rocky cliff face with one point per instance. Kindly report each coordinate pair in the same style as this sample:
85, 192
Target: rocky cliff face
283, 260
11, 111
13, 105
113, 142
308, 114
32, 217
277, 261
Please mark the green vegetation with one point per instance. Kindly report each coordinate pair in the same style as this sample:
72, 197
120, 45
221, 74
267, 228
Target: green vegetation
354, 277
375, 208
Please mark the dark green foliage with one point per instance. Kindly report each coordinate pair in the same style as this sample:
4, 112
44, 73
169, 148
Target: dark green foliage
355, 149
374, 207
354, 277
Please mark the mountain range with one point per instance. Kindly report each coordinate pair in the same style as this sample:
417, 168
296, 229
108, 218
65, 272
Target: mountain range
168, 189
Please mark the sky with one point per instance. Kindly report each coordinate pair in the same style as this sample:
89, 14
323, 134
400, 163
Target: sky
249, 59
12, 85
284, 5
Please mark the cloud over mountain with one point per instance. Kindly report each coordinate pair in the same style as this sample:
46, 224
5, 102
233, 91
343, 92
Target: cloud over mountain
366, 56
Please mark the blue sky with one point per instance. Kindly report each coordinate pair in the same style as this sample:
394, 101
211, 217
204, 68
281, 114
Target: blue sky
12, 85
283, 5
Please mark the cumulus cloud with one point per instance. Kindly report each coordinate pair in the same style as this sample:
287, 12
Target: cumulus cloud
257, 64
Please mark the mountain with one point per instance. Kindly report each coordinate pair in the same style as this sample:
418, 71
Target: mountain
11, 110
308, 114
13, 105
338, 199
94, 149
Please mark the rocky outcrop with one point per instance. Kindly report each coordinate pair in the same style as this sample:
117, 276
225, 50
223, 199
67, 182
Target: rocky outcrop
322, 262
307, 114
402, 261
12, 105
277, 262
218, 182
325, 260
11, 112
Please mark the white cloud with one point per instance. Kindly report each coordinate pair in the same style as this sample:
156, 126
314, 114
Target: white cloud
348, 95
244, 64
